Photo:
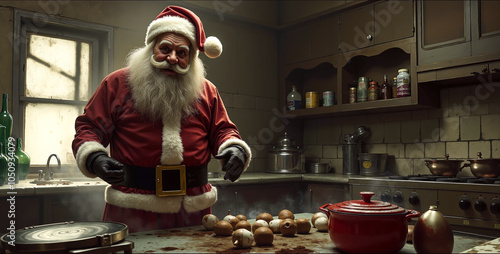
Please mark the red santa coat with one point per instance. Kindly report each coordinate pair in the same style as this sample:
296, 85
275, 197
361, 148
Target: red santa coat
111, 119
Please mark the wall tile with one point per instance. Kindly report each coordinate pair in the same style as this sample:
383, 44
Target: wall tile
244, 101
429, 130
479, 146
228, 99
449, 129
410, 131
396, 150
470, 128
459, 103
310, 132
419, 167
490, 126
435, 150
419, 114
403, 167
375, 148
494, 108
457, 150
376, 133
266, 104
495, 149
392, 132
328, 131
415, 150
482, 109
330, 151
313, 151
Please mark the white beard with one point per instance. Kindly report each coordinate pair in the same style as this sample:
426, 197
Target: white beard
157, 95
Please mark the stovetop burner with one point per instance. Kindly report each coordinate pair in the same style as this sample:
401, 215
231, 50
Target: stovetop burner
447, 179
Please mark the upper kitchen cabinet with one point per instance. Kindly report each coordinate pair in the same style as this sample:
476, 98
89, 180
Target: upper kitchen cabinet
375, 24
314, 39
464, 32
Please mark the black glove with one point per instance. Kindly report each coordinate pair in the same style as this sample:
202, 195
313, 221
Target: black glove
234, 158
105, 167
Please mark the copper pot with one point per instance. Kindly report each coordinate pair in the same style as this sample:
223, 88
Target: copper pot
368, 226
445, 167
484, 168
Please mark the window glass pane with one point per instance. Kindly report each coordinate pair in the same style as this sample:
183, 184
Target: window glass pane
49, 128
57, 68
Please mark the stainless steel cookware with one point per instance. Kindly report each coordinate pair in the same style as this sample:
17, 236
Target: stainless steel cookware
286, 157
318, 167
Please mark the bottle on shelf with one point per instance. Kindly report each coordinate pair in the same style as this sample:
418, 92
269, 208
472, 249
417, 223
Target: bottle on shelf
6, 117
294, 99
386, 90
24, 160
395, 87
373, 91
13, 160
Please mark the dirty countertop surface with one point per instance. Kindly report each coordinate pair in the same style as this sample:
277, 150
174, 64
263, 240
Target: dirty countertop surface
198, 240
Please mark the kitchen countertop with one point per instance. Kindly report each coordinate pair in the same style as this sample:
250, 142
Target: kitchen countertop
82, 184
197, 239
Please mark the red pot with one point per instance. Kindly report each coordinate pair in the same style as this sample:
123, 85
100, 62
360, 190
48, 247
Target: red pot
368, 226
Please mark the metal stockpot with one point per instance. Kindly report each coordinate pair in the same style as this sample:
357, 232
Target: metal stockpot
484, 168
286, 157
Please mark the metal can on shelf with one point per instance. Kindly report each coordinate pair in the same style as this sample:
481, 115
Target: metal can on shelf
328, 98
312, 100
353, 94
362, 89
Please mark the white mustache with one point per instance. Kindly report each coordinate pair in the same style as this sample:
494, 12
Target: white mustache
167, 65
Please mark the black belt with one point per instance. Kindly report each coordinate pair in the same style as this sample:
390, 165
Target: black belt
145, 177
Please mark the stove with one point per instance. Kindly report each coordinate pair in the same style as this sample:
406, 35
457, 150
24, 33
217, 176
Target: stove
469, 204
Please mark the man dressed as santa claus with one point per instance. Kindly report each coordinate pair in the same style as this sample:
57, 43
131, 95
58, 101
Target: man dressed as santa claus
162, 121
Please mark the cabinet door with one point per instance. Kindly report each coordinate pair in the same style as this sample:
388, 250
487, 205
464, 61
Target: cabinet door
295, 45
324, 37
356, 29
393, 20
444, 33
485, 27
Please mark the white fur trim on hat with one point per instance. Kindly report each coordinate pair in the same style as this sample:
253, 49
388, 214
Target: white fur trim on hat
171, 24
212, 47
153, 203
83, 153
235, 141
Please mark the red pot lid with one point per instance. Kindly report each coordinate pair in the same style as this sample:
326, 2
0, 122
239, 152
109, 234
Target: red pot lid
366, 206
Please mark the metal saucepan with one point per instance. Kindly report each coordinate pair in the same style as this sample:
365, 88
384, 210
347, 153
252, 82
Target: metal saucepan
318, 167
445, 167
484, 168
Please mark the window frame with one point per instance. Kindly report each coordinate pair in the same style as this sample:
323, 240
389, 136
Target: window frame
99, 36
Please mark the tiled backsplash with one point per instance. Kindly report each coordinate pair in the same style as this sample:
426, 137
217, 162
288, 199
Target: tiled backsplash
467, 122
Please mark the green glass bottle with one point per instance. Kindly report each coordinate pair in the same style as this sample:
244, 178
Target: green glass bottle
5, 116
24, 160
4, 165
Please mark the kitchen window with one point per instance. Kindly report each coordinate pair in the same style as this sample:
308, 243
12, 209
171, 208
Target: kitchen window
59, 65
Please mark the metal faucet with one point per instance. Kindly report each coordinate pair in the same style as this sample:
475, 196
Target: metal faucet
49, 175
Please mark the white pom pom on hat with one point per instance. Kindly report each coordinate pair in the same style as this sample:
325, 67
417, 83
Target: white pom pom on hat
183, 21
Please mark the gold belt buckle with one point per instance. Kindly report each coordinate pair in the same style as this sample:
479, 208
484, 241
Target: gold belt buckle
165, 186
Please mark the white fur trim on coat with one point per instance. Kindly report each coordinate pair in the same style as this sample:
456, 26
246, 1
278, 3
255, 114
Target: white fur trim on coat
153, 203
83, 153
235, 141
200, 202
172, 148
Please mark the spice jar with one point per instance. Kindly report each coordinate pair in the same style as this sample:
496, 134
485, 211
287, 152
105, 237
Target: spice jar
403, 81
373, 91
353, 94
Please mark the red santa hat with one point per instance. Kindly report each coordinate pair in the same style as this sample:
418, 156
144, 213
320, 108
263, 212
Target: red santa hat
183, 21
